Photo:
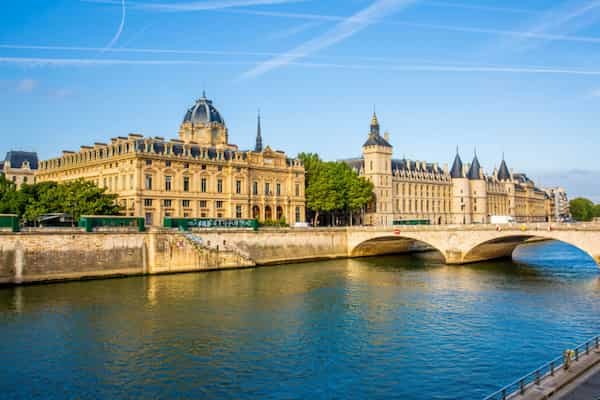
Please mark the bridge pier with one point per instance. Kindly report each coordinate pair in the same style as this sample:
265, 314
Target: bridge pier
454, 257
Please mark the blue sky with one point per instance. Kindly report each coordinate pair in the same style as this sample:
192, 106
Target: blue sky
502, 76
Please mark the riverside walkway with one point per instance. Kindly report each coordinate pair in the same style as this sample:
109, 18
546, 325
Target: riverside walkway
573, 376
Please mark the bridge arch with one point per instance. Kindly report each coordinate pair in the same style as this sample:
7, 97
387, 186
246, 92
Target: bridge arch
504, 245
393, 244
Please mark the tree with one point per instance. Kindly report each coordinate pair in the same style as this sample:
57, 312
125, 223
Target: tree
596, 211
359, 194
581, 209
322, 194
82, 197
77, 198
10, 199
333, 187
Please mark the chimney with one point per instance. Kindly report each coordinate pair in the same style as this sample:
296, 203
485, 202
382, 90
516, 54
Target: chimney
446, 170
386, 136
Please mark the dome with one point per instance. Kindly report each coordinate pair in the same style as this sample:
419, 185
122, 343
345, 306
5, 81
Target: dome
203, 112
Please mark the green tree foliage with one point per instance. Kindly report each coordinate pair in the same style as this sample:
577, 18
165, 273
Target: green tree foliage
596, 211
76, 198
10, 199
582, 209
333, 186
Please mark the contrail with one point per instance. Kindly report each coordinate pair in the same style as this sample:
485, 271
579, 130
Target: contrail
558, 23
341, 31
527, 34
197, 5
121, 26
365, 67
478, 7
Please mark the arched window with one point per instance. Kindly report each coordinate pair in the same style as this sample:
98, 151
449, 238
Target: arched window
268, 213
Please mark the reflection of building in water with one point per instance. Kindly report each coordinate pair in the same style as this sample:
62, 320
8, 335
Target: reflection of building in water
200, 174
408, 190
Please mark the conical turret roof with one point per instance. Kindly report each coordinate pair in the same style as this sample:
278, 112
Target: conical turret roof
473, 173
503, 172
457, 167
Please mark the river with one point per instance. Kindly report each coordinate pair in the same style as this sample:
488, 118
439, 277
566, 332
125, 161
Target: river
406, 327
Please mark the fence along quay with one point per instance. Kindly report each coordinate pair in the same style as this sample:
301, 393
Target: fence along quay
553, 368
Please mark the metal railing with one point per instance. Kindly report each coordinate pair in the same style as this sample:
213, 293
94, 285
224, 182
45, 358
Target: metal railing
524, 383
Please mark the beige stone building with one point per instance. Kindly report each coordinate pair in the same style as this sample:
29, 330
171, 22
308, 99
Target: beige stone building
557, 204
200, 174
417, 190
19, 167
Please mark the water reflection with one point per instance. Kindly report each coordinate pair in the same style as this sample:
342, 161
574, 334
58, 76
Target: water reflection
396, 326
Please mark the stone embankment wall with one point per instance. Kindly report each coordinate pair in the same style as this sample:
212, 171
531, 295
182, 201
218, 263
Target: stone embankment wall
37, 256
61, 255
277, 246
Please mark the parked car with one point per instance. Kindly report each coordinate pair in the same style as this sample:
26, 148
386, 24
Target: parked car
301, 225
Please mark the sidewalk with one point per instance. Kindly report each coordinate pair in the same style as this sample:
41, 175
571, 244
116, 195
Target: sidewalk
580, 382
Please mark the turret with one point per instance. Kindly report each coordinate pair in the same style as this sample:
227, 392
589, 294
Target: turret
377, 155
461, 192
478, 188
504, 175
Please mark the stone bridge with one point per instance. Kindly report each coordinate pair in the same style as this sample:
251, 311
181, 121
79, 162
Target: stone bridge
461, 244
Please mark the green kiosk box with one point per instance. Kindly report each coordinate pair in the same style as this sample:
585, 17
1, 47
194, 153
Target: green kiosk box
9, 221
89, 222
185, 224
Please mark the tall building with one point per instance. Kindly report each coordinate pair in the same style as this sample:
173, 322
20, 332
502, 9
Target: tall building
557, 204
19, 167
200, 174
417, 190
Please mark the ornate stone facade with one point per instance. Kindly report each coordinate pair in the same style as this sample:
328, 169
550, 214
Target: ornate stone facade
417, 190
198, 175
19, 167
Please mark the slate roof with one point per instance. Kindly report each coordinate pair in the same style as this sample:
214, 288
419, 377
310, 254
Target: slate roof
376, 140
503, 172
409, 165
17, 158
159, 147
473, 173
457, 168
203, 112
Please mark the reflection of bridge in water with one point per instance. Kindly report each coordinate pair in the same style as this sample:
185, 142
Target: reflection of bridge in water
460, 244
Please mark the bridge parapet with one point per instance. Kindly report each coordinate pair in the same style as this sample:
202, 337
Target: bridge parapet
460, 244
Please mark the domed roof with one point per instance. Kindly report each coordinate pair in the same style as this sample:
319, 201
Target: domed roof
203, 112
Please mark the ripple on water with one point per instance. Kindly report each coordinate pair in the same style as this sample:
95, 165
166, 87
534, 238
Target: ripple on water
384, 327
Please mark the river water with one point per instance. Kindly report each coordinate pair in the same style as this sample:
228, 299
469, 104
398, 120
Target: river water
406, 327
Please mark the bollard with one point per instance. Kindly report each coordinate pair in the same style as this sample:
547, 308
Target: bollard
567, 357
552, 368
537, 377
587, 348
576, 354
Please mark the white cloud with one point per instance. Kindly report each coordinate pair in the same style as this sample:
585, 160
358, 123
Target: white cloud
26, 85
341, 31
